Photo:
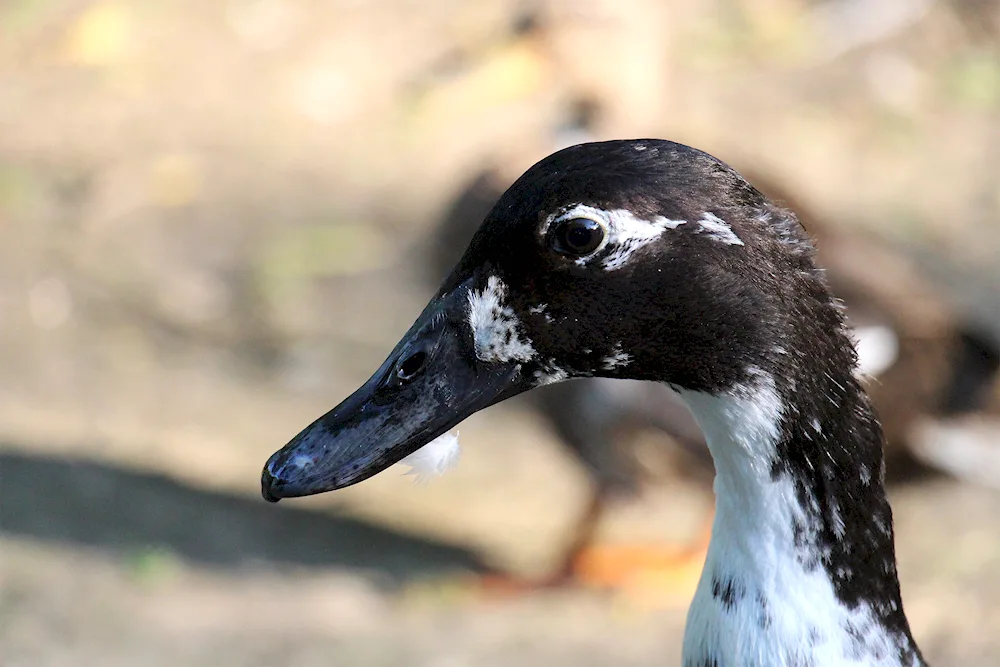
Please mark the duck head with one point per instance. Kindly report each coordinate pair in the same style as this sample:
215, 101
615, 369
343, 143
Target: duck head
641, 259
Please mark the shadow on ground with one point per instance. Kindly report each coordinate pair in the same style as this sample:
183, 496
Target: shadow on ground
99, 505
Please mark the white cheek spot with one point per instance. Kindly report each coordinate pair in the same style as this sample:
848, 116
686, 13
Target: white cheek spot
617, 359
716, 228
495, 328
435, 458
878, 349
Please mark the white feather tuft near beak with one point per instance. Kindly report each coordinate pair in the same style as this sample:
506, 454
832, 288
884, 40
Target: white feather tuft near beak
435, 458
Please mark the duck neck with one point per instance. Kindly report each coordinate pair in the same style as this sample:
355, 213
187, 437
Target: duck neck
801, 568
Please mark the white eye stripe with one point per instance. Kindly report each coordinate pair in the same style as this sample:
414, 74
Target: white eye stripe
718, 229
624, 232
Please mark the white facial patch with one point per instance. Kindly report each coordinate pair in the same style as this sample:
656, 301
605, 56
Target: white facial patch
756, 602
625, 233
435, 458
550, 375
716, 228
495, 327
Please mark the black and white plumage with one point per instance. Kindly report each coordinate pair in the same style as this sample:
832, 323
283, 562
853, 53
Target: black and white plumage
588, 416
923, 359
653, 261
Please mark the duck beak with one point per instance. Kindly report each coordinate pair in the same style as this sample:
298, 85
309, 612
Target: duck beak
430, 383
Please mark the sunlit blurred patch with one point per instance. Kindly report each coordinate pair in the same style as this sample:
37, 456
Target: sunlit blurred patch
506, 75
101, 36
895, 81
324, 94
175, 179
50, 304
841, 27
963, 447
262, 24
194, 296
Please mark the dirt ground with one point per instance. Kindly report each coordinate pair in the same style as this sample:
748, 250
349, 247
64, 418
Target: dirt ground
213, 219
106, 566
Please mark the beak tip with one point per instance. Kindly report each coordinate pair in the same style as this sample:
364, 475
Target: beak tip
286, 476
268, 485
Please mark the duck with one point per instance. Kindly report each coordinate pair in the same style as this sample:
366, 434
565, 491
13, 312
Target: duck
924, 362
651, 260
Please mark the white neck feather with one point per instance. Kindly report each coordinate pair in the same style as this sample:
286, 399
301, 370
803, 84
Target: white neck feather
756, 603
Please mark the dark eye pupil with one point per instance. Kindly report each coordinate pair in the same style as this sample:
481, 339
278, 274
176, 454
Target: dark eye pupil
578, 236
411, 366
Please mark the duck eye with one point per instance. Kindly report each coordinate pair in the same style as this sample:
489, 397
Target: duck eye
577, 236
411, 367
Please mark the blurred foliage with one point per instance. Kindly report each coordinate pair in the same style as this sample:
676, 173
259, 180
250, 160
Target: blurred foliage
296, 257
19, 189
150, 565
973, 79
101, 36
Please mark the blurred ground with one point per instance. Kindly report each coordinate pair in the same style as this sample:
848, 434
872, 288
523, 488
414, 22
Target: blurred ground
210, 222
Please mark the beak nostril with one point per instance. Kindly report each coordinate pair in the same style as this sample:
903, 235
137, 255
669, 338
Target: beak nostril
411, 366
